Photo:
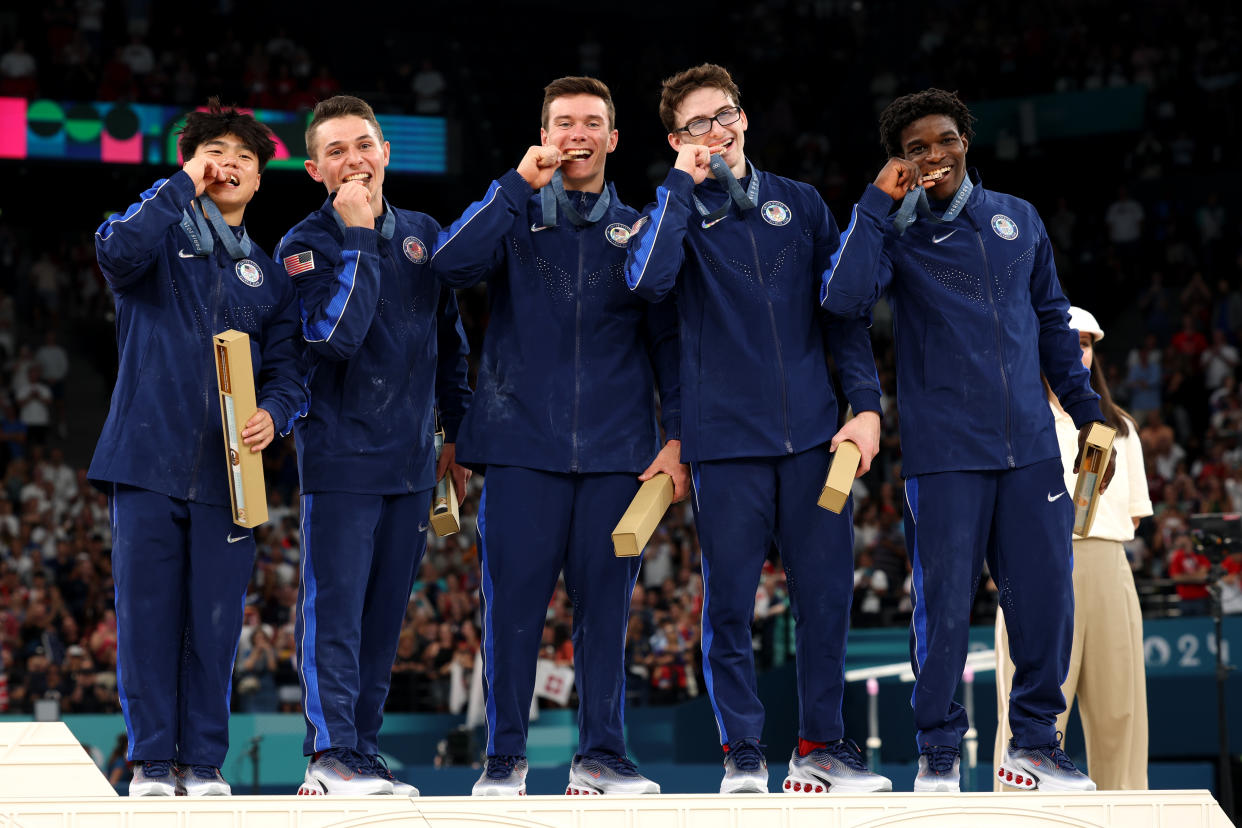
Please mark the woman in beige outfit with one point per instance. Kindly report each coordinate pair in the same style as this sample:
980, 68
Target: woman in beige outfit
1106, 669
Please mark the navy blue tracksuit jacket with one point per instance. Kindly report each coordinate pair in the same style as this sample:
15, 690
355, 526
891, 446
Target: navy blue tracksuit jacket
563, 421
180, 564
758, 413
385, 346
978, 313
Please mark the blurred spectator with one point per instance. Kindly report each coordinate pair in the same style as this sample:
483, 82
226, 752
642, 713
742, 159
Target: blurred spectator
324, 85
1157, 303
137, 55
1189, 341
17, 72
1189, 569
1124, 218
256, 674
1210, 219
116, 767
34, 400
1144, 382
428, 87
116, 81
281, 46
870, 588
1231, 582
1220, 361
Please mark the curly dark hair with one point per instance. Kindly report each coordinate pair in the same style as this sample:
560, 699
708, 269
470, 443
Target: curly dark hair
909, 108
201, 127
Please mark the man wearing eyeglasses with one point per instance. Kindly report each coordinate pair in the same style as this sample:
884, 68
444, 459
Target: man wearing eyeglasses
743, 249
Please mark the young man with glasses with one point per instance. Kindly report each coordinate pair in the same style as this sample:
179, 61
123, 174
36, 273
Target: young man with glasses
565, 426
978, 313
744, 250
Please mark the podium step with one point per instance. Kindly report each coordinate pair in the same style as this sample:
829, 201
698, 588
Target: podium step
1148, 809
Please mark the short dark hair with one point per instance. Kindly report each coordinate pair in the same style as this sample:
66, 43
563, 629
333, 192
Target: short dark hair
676, 88
577, 85
909, 108
201, 127
340, 106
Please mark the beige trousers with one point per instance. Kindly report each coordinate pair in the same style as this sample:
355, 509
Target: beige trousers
1106, 670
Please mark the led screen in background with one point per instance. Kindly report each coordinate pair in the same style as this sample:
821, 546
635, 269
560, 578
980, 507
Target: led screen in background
129, 133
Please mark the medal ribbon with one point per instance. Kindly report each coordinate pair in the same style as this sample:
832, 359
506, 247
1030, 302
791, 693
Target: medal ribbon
198, 229
916, 201
553, 196
744, 200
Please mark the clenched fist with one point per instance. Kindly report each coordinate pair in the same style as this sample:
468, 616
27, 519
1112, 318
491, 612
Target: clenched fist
539, 164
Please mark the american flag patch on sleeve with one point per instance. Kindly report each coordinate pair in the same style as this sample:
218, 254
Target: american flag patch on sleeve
299, 263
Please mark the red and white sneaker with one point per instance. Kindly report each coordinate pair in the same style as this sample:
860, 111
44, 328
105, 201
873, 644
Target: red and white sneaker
1043, 767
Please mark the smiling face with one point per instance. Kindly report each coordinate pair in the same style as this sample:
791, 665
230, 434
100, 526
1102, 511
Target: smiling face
935, 144
578, 125
241, 163
708, 102
347, 149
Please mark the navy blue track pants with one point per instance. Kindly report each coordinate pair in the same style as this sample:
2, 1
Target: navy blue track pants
532, 525
743, 507
1020, 520
180, 570
360, 556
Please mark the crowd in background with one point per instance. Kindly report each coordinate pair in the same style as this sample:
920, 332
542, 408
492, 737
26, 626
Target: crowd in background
1145, 236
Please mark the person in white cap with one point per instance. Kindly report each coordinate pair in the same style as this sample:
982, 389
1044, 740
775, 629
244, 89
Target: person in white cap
1106, 670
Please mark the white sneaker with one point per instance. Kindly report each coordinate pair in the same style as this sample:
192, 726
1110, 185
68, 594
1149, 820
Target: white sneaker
1045, 767
746, 768
153, 778
940, 770
503, 776
342, 772
399, 788
605, 773
838, 767
202, 780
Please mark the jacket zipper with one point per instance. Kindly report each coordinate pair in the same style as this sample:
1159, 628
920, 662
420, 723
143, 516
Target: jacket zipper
573, 461
1000, 348
780, 359
208, 397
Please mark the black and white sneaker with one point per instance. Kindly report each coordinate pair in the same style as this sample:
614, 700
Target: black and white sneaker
746, 768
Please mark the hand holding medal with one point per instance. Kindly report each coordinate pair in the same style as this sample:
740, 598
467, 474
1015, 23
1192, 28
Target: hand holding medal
900, 176
538, 165
353, 205
696, 160
204, 172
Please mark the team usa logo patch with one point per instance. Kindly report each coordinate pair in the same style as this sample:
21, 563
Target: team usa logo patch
249, 272
617, 234
776, 213
414, 249
1004, 227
